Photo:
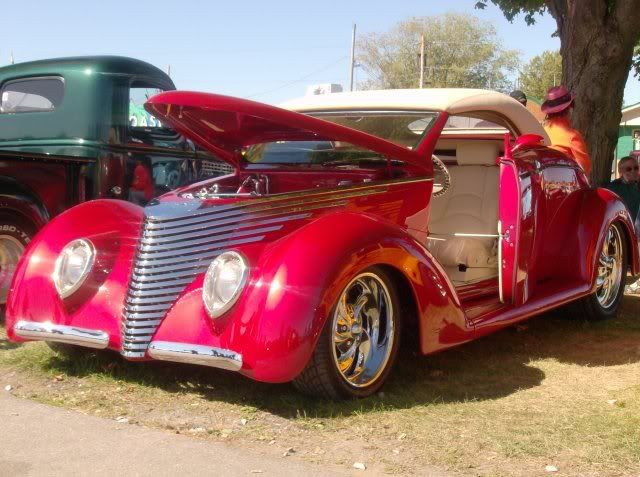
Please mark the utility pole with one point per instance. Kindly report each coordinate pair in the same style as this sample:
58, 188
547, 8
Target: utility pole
353, 56
421, 61
169, 71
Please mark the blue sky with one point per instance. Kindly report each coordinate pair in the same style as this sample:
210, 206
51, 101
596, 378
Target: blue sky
268, 51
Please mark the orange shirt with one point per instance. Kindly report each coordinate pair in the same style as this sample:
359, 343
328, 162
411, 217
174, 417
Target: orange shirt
568, 140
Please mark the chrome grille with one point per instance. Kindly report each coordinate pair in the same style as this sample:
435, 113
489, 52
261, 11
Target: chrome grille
179, 241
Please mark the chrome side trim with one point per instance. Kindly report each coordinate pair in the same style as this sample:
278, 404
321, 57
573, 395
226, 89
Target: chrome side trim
195, 354
32, 330
157, 212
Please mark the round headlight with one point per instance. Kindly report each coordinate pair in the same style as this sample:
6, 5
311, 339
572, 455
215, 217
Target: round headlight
223, 282
72, 266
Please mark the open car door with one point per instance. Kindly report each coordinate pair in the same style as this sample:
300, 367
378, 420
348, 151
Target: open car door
508, 225
517, 222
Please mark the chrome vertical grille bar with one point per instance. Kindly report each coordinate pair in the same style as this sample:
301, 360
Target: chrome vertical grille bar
167, 261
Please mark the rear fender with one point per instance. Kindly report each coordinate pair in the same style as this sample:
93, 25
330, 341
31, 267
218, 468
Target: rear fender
600, 209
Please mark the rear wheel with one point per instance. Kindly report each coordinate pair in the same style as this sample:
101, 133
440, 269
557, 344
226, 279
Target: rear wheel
612, 271
359, 341
14, 237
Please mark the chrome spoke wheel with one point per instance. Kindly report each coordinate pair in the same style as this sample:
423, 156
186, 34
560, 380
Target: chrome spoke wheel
610, 267
11, 250
363, 330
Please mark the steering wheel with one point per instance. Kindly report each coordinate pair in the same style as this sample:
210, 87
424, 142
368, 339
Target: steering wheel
441, 177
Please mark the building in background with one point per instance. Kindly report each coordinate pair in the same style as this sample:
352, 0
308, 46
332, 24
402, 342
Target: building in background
629, 131
325, 88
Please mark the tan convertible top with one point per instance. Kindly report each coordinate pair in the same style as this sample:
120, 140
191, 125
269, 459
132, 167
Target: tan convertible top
451, 100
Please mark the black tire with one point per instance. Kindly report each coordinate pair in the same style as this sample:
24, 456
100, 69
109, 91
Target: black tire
322, 378
591, 308
15, 235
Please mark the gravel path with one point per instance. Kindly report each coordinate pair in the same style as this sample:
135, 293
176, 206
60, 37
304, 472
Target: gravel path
41, 440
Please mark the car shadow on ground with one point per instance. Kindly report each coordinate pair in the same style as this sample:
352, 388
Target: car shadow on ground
490, 368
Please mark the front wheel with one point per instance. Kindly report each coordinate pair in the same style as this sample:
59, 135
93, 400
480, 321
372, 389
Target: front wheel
612, 271
359, 341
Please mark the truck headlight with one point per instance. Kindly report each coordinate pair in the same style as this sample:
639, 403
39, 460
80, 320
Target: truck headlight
72, 266
223, 282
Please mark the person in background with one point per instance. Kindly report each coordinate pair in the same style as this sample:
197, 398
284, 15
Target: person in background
557, 108
626, 186
519, 96
141, 189
636, 140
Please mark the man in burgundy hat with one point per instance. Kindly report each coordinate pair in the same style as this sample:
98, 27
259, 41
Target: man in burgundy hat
557, 107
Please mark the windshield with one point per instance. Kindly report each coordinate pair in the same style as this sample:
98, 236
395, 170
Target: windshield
310, 152
406, 129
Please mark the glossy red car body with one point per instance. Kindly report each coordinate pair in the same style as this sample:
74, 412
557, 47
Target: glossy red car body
308, 238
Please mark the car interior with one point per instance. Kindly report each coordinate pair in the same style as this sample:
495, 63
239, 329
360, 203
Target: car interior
463, 223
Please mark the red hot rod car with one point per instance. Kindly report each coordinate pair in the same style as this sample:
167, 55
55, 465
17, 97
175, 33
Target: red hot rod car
349, 217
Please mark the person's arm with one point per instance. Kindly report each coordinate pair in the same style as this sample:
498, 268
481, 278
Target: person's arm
580, 152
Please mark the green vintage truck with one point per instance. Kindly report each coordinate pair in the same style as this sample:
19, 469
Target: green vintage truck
74, 129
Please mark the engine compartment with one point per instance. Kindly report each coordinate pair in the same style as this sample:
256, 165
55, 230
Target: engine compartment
265, 182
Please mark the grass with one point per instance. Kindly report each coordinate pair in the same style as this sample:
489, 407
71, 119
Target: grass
548, 392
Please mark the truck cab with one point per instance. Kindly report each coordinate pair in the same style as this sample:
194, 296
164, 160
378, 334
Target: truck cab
73, 130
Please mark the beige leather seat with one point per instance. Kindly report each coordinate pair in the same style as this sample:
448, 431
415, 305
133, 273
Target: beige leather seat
470, 206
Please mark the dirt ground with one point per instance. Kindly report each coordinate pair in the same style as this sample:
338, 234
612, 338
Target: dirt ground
550, 396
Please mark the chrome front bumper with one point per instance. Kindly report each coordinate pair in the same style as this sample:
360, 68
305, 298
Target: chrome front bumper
160, 350
33, 330
195, 354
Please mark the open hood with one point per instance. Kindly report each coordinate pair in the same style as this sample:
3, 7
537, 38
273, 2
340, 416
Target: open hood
224, 125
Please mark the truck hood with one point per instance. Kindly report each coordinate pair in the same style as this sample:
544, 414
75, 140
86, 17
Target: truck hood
224, 125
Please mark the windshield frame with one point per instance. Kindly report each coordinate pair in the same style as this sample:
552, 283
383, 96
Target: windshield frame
417, 114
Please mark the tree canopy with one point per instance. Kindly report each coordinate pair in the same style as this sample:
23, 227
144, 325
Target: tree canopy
460, 51
541, 73
598, 40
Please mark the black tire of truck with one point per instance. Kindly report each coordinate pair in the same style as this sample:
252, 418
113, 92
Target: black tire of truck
15, 235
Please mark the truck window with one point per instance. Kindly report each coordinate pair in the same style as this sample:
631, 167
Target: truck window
138, 116
144, 128
31, 94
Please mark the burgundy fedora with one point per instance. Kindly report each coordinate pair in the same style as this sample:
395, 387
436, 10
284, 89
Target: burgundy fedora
558, 99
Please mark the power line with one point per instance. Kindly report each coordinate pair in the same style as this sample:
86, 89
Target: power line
302, 78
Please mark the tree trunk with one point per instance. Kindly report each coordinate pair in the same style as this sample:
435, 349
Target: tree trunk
597, 41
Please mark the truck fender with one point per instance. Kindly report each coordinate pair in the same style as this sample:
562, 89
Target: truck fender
17, 198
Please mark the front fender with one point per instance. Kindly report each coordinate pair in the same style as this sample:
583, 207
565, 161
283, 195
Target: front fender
294, 283
113, 226
316, 263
